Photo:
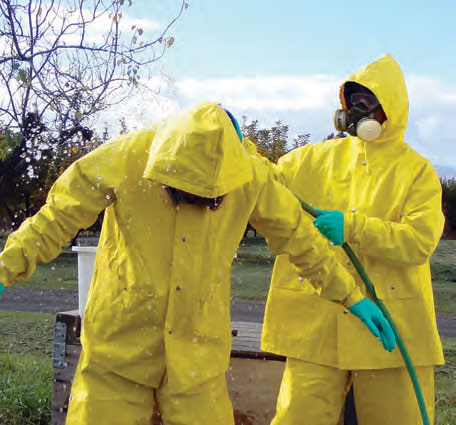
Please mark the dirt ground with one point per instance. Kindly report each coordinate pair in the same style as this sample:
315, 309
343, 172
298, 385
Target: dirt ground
22, 299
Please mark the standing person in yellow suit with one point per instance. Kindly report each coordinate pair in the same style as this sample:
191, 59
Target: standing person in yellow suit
156, 329
383, 199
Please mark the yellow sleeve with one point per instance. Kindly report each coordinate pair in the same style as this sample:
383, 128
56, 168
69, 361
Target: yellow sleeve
288, 230
251, 149
289, 164
413, 239
74, 202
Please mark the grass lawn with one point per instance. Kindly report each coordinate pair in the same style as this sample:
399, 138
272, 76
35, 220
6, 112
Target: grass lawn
61, 273
25, 368
26, 333
443, 268
251, 270
445, 386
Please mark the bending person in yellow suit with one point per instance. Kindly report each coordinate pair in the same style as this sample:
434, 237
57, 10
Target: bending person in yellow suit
384, 199
156, 328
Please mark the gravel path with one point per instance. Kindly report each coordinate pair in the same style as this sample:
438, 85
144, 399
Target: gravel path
23, 299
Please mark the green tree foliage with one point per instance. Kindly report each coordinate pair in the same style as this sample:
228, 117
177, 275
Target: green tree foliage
449, 206
8, 142
27, 171
272, 143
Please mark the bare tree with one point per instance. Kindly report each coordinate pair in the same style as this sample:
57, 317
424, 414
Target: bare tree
61, 63
64, 60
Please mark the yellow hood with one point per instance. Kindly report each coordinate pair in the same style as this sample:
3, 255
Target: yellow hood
385, 79
198, 151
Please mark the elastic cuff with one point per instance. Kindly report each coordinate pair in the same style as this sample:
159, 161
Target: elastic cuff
353, 298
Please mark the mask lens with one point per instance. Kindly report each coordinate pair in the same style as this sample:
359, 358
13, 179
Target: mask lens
369, 100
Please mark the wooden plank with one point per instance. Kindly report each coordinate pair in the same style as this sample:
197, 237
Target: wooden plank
246, 342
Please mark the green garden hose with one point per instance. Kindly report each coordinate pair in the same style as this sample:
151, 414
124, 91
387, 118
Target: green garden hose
371, 289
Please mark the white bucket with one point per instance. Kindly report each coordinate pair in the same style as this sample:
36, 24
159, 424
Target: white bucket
86, 264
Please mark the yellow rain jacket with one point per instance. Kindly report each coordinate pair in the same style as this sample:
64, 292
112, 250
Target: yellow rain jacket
391, 200
160, 294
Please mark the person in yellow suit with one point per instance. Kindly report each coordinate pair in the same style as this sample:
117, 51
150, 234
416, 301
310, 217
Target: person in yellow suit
382, 198
156, 329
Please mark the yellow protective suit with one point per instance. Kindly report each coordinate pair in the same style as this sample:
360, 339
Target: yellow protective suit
391, 200
158, 306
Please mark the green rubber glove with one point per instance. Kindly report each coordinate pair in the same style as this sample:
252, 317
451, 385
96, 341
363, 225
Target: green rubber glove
373, 318
331, 225
2, 288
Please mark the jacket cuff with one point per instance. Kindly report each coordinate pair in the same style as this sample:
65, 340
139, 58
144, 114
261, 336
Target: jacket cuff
353, 298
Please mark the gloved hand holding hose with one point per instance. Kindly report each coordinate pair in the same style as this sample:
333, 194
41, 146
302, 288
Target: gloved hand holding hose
331, 225
336, 224
373, 318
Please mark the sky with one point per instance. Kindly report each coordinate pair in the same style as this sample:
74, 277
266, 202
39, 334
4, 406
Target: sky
271, 60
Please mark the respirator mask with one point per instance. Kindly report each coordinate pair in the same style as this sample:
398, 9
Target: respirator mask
360, 119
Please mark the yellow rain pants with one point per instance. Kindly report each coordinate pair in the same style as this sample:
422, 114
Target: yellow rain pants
313, 394
101, 396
